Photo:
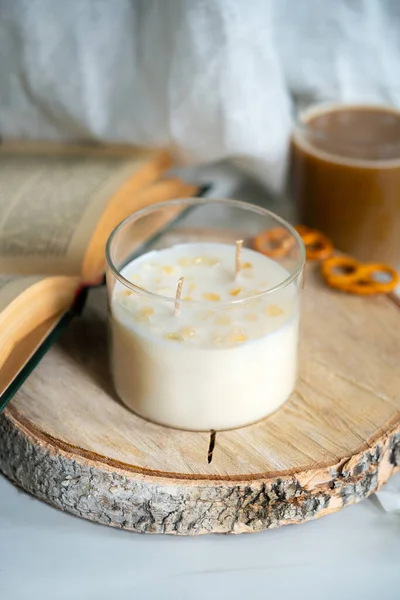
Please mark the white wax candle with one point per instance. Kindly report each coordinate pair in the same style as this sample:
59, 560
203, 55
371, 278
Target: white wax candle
228, 359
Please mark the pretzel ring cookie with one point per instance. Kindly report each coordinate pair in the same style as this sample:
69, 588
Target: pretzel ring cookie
318, 246
340, 269
275, 243
350, 276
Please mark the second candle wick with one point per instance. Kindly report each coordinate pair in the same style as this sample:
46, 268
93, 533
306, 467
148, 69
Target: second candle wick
238, 265
178, 295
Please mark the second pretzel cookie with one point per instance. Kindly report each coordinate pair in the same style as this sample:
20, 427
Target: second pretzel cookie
349, 275
318, 246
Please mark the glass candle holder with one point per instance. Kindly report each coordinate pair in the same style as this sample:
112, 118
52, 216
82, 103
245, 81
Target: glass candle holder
204, 328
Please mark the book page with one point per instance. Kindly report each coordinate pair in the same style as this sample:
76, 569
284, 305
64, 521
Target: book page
22, 351
12, 286
27, 302
49, 208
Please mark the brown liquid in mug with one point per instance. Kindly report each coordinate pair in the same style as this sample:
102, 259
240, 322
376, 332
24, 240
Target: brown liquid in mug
345, 178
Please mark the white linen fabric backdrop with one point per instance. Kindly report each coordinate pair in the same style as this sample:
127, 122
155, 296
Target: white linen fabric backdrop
214, 79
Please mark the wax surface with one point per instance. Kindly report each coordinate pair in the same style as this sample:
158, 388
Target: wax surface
227, 359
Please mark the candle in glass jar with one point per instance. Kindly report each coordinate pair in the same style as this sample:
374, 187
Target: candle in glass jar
226, 358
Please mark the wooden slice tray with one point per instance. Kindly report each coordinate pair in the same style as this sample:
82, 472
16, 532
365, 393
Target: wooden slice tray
67, 439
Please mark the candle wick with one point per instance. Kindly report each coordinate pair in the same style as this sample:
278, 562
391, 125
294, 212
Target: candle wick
238, 262
178, 295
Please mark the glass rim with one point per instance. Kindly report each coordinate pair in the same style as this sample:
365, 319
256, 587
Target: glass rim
205, 201
304, 114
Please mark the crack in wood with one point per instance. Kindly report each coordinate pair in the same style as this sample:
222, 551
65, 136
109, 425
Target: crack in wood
211, 446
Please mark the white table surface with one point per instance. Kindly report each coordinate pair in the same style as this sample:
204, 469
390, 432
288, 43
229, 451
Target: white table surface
50, 555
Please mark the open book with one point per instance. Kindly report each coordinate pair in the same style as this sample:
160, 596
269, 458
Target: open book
58, 205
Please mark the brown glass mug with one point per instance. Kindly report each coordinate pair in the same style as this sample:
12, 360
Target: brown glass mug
344, 177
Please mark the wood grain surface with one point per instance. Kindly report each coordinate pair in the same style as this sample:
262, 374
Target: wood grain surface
68, 440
